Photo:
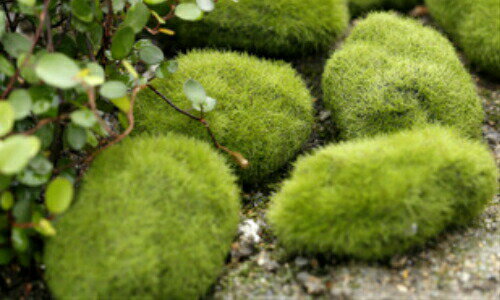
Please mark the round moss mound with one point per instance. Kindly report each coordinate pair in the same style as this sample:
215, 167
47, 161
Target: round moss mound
154, 219
273, 28
393, 73
264, 110
475, 27
358, 7
377, 197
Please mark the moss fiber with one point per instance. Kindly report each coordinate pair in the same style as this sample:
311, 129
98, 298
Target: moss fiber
475, 27
154, 219
264, 110
358, 7
393, 73
377, 197
272, 28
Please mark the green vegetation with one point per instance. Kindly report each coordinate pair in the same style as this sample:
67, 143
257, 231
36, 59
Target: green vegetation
274, 28
475, 26
358, 7
263, 110
154, 219
393, 73
377, 197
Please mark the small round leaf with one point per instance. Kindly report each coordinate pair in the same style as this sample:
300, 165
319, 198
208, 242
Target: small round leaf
84, 118
151, 54
194, 91
58, 70
122, 43
7, 117
20, 100
113, 89
206, 5
16, 151
59, 195
188, 11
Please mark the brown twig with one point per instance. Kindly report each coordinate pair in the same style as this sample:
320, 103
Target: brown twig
93, 108
240, 159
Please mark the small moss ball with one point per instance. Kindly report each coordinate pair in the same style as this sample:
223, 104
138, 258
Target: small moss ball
358, 7
264, 110
275, 28
154, 219
475, 27
377, 197
394, 73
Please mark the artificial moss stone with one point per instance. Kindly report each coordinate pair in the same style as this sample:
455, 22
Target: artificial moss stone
393, 73
474, 26
272, 28
264, 110
154, 219
377, 197
358, 7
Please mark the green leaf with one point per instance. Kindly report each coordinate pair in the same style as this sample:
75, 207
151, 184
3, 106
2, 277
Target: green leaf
188, 11
7, 117
123, 103
46, 135
45, 227
3, 22
41, 165
137, 17
16, 151
84, 118
15, 44
4, 182
6, 67
95, 75
154, 2
122, 43
207, 105
194, 91
59, 195
206, 5
58, 70
76, 136
20, 240
151, 55
6, 255
6, 200
20, 100
29, 3
82, 9
113, 89
166, 68
41, 107
31, 178
27, 70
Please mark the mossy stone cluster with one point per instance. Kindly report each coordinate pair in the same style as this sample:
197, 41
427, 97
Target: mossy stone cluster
264, 110
474, 26
273, 28
358, 7
154, 219
377, 197
393, 73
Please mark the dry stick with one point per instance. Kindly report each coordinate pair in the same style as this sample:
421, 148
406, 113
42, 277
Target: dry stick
38, 32
44, 122
240, 159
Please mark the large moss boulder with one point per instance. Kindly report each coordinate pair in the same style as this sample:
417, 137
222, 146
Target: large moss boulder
154, 219
393, 73
474, 26
377, 197
358, 7
273, 28
264, 110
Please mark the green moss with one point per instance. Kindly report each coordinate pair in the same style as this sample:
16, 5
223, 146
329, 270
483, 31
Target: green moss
393, 73
263, 111
358, 7
475, 26
274, 28
154, 219
377, 197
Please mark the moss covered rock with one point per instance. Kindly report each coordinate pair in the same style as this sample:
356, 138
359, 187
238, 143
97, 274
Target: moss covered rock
154, 219
264, 110
273, 28
475, 26
393, 73
377, 197
357, 7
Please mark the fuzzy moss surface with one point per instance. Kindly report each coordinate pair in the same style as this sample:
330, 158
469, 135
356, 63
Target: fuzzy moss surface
393, 73
475, 27
154, 219
275, 28
264, 110
358, 7
377, 197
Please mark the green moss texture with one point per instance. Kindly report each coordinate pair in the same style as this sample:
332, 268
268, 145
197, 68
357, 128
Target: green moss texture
154, 219
393, 73
377, 197
358, 7
273, 28
264, 110
475, 27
